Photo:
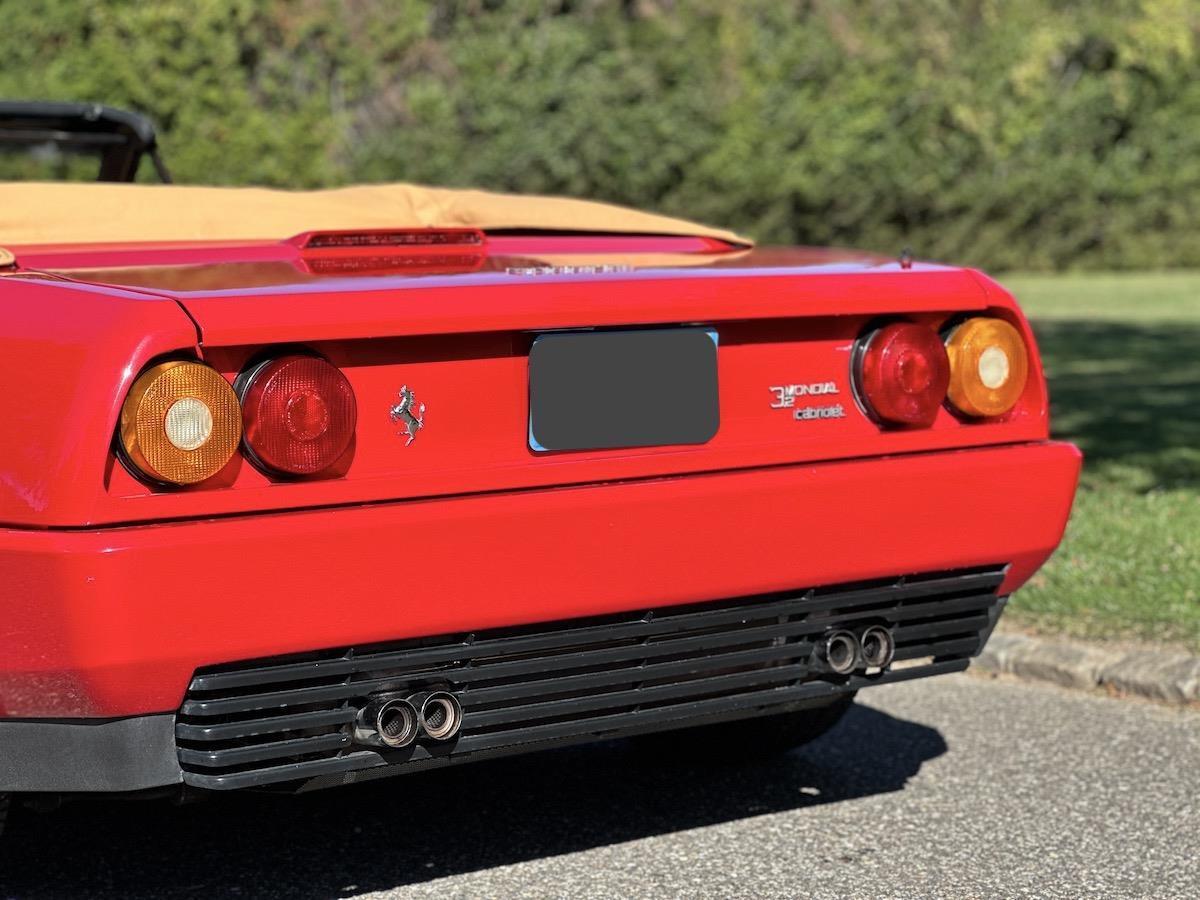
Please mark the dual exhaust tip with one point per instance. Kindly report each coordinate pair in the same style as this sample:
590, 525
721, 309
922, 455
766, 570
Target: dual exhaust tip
843, 651
397, 722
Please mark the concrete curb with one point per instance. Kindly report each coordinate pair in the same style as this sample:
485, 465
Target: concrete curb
1168, 677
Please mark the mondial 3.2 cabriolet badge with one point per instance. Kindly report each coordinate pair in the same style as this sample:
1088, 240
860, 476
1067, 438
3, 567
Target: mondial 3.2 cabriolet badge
787, 396
409, 412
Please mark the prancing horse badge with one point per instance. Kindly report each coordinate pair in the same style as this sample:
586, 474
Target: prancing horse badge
409, 412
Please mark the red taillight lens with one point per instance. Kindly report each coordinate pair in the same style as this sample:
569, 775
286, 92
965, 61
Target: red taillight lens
902, 373
299, 414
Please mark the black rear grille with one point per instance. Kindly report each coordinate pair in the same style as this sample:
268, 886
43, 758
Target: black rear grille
290, 719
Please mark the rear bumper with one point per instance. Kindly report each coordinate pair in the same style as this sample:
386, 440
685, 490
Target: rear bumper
112, 623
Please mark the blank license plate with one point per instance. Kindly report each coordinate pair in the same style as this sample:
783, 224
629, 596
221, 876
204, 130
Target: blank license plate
610, 389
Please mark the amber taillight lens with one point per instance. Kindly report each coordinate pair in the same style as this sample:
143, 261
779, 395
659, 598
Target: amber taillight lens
989, 365
900, 374
299, 414
181, 423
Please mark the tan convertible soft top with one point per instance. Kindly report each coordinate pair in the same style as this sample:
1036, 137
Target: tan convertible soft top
85, 213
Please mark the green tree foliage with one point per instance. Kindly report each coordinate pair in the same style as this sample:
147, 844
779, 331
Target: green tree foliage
1005, 133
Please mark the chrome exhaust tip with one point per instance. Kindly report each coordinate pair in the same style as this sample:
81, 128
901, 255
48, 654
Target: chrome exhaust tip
841, 651
440, 714
393, 723
878, 646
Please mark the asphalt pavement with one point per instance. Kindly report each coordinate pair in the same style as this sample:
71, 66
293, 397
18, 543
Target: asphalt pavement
951, 787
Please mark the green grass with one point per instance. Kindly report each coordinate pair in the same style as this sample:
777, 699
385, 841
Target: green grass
1122, 355
1145, 297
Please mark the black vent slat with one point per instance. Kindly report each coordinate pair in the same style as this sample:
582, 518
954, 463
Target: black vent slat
916, 586
938, 648
257, 676
637, 696
254, 727
361, 759
235, 756
290, 720
941, 608
252, 702
611, 655
627, 675
942, 628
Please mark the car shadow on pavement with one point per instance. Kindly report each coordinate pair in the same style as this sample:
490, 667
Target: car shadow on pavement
404, 830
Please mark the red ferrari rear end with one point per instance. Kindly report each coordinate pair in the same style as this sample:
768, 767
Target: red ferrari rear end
300, 513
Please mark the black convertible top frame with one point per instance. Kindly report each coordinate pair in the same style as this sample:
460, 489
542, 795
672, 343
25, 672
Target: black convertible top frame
119, 137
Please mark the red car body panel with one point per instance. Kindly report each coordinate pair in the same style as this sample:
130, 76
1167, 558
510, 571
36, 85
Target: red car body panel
117, 591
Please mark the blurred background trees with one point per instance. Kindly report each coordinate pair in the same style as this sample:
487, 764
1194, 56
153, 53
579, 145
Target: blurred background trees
1030, 134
